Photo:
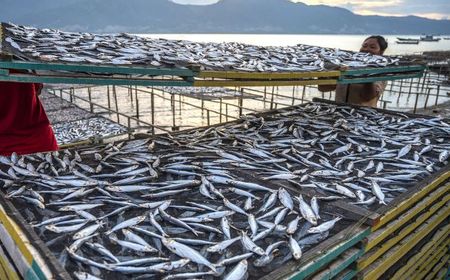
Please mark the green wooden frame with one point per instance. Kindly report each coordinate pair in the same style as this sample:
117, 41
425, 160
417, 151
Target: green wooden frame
132, 75
370, 75
312, 267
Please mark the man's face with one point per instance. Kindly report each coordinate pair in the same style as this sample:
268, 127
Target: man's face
371, 46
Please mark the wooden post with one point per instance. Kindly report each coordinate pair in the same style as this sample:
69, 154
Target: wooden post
109, 97
437, 95
271, 99
424, 80
241, 101
415, 104
71, 95
400, 91
418, 83
303, 94
91, 105
265, 95
152, 104
116, 103
410, 88
203, 106
172, 100
220, 110
293, 95
130, 92
179, 103
137, 102
426, 99
207, 117
226, 111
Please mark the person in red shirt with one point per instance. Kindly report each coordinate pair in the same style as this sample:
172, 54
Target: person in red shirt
24, 126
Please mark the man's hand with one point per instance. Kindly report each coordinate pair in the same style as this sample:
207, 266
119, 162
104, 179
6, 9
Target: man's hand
38, 88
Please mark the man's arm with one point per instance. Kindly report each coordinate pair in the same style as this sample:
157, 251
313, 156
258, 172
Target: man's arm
371, 91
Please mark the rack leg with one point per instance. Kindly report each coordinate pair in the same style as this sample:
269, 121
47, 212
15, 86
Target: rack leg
426, 99
109, 97
152, 102
437, 94
241, 101
91, 105
116, 103
220, 110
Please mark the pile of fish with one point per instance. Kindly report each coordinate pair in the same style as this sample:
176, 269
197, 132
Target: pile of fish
125, 49
222, 202
177, 213
75, 131
205, 92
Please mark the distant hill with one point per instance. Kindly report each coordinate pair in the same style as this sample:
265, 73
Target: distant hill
226, 16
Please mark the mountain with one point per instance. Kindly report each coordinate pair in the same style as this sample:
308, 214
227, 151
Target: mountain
226, 16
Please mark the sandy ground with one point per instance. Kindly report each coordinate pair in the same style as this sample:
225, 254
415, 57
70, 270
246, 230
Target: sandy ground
441, 110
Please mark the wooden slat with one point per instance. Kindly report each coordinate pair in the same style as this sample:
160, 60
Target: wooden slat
375, 253
331, 254
431, 275
21, 263
14, 231
8, 269
3, 274
37, 260
340, 264
439, 239
323, 253
414, 198
266, 76
384, 70
380, 78
92, 68
347, 274
375, 270
377, 236
430, 262
254, 83
444, 273
418, 265
92, 80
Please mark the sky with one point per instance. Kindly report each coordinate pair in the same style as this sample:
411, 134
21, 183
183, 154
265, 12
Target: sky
435, 9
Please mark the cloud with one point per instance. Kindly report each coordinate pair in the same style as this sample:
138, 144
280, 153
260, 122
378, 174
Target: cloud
195, 2
436, 9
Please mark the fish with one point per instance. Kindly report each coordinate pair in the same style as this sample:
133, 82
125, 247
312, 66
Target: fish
187, 252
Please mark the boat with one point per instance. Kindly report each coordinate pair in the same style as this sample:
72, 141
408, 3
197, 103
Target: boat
408, 42
429, 38
407, 39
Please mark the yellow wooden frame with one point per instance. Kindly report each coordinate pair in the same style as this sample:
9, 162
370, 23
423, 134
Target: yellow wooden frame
7, 270
440, 239
404, 205
436, 267
431, 261
26, 249
443, 273
373, 255
14, 231
377, 236
378, 268
261, 83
